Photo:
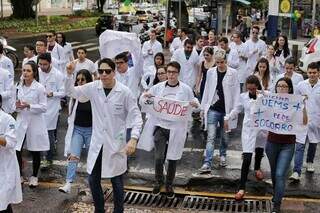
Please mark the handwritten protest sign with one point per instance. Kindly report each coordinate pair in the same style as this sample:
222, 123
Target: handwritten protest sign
279, 113
167, 109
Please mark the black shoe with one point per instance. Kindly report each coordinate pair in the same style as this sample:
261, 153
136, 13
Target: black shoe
276, 209
156, 189
169, 192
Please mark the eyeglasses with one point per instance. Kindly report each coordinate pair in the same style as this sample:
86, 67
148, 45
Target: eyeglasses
49, 36
107, 71
282, 86
81, 79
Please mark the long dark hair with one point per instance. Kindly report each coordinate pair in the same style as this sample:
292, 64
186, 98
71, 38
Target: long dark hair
86, 75
35, 70
266, 77
156, 79
286, 50
162, 57
64, 42
288, 81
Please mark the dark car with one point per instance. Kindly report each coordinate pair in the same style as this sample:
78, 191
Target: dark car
105, 21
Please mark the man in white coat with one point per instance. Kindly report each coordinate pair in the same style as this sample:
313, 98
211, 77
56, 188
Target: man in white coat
7, 91
82, 62
6, 63
311, 89
53, 81
221, 95
112, 103
232, 55
162, 131
255, 48
42, 47
188, 59
178, 42
56, 50
150, 49
10, 188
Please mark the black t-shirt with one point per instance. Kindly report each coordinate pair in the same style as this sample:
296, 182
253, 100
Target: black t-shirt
83, 116
50, 48
219, 106
107, 91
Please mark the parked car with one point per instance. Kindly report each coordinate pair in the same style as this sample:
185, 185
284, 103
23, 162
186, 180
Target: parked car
310, 53
144, 16
105, 21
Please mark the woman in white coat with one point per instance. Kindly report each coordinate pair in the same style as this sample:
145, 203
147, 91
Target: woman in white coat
31, 105
79, 130
252, 140
282, 52
69, 56
10, 188
262, 71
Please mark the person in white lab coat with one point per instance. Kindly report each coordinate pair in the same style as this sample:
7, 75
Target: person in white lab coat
178, 42
53, 81
232, 55
7, 91
111, 104
29, 53
255, 48
61, 39
10, 189
311, 89
188, 59
239, 46
167, 135
79, 130
150, 48
282, 52
149, 73
6, 63
221, 95
41, 47
56, 50
295, 77
31, 128
82, 62
251, 140
273, 63
262, 71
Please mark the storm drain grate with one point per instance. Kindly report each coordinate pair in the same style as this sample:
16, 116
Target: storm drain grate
138, 198
188, 202
225, 205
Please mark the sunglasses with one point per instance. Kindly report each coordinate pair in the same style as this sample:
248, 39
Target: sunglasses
107, 71
81, 79
49, 36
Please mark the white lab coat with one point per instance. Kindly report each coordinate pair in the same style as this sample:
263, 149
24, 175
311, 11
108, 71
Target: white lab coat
242, 63
31, 122
250, 137
26, 60
109, 115
68, 55
231, 91
7, 91
296, 78
59, 54
148, 73
189, 68
52, 82
176, 44
73, 104
131, 80
253, 58
281, 62
10, 188
178, 133
313, 111
7, 64
148, 57
233, 60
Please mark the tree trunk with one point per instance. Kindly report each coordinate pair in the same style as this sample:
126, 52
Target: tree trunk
100, 4
22, 9
184, 13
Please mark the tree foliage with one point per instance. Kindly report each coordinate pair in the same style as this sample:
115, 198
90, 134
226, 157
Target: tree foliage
22, 9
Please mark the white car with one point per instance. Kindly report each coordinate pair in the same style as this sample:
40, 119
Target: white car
310, 53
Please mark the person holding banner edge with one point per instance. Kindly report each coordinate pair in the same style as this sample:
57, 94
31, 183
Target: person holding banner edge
311, 88
280, 150
162, 131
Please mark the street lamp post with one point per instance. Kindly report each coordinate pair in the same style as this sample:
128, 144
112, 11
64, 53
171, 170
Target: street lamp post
1, 8
179, 14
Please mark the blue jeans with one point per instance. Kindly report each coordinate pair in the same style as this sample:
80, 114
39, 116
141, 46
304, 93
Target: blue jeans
299, 153
215, 118
96, 189
80, 136
280, 156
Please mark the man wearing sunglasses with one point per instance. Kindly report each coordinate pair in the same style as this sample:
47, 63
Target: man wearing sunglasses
112, 103
52, 80
56, 49
255, 48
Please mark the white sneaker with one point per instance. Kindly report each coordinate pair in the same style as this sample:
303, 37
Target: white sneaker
310, 167
205, 168
223, 161
295, 176
33, 181
66, 188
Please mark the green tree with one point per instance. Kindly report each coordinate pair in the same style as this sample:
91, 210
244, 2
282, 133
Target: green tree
22, 9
